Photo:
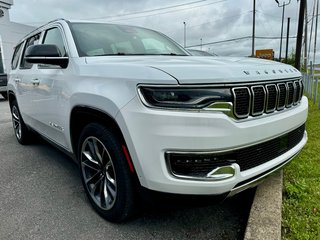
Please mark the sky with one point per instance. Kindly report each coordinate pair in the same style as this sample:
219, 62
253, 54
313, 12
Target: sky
206, 21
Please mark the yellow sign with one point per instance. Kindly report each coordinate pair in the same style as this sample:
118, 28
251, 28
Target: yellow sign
265, 54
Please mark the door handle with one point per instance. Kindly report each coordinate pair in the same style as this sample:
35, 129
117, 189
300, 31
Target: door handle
35, 81
17, 80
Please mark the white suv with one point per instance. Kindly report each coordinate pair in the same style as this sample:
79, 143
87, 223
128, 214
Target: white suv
132, 107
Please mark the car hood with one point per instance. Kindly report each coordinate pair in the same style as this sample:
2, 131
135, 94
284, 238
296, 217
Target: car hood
206, 70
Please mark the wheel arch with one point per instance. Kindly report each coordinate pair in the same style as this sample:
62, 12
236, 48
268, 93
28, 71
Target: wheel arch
82, 115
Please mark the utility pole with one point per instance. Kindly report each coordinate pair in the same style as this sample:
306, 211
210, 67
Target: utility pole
283, 8
185, 34
315, 38
253, 27
306, 55
200, 43
300, 33
287, 46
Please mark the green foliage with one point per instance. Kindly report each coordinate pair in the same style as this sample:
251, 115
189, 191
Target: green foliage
291, 58
301, 199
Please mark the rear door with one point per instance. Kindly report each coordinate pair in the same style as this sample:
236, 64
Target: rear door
24, 79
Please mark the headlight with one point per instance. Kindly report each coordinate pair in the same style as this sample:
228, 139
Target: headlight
187, 98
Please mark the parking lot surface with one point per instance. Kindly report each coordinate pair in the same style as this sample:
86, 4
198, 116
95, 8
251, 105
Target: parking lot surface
41, 197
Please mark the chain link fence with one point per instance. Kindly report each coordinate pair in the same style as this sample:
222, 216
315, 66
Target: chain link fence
311, 86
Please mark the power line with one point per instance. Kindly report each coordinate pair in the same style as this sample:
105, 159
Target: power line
227, 17
176, 10
147, 11
273, 16
263, 22
237, 39
222, 41
119, 16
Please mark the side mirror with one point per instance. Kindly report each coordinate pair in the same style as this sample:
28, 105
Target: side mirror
46, 54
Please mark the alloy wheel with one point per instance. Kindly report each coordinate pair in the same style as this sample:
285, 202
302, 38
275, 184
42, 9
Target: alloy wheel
98, 173
16, 122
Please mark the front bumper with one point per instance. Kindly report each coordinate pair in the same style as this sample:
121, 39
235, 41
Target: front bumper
150, 133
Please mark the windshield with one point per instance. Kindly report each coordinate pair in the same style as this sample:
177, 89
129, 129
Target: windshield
100, 39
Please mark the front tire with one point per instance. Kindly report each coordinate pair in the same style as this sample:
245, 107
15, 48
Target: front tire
105, 174
20, 129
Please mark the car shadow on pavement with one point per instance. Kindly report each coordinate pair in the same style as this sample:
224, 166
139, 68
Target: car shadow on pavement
194, 219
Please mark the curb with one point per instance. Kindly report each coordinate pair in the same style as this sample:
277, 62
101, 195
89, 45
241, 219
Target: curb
265, 215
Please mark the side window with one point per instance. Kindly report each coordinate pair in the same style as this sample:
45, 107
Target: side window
30, 41
16, 55
53, 36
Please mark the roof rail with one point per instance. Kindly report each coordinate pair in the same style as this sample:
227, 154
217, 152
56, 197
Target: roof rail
57, 19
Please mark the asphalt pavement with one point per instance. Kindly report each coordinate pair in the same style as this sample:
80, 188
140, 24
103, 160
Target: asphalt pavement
41, 197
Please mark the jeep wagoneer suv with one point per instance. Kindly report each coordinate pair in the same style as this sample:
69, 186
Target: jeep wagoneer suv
133, 108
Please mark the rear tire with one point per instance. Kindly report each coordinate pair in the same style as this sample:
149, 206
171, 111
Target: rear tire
20, 129
105, 174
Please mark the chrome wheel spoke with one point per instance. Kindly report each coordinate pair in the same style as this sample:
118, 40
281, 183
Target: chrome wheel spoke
94, 182
15, 117
112, 191
94, 150
97, 151
90, 162
110, 179
104, 194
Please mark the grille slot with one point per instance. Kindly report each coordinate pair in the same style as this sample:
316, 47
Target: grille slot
272, 93
266, 98
258, 100
241, 101
199, 165
282, 96
297, 94
290, 89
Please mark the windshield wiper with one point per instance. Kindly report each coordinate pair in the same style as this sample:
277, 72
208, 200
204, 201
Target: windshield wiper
172, 54
139, 54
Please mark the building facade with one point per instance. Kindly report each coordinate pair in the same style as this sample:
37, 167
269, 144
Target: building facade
10, 34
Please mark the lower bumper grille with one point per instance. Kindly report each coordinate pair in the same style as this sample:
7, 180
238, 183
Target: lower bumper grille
198, 165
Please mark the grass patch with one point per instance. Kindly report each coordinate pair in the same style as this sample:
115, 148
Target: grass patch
301, 199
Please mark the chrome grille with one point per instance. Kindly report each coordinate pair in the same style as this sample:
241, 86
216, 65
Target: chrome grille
266, 98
